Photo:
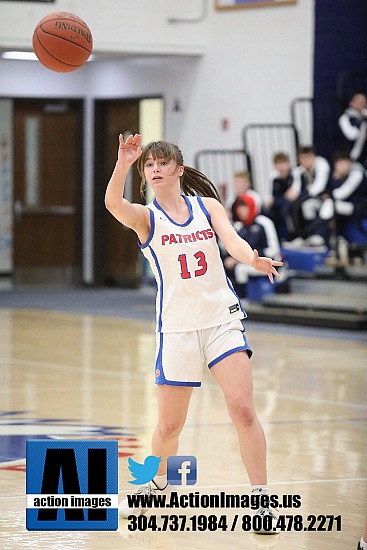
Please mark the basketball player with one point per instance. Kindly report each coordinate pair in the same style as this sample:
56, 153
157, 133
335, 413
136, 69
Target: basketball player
199, 316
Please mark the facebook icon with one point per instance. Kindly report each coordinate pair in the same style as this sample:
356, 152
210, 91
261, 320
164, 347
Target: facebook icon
181, 470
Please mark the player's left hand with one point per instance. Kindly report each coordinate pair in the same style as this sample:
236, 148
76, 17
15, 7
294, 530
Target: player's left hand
266, 265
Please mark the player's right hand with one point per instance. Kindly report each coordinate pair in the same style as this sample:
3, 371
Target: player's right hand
130, 150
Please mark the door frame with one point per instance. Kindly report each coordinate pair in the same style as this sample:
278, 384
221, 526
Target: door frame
80, 105
99, 209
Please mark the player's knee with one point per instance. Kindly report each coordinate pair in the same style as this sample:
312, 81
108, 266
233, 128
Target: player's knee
169, 429
241, 413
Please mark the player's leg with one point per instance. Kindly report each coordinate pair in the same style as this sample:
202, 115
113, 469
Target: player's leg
179, 368
234, 376
173, 404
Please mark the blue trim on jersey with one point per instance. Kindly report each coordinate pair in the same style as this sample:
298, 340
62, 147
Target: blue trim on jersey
230, 352
151, 232
203, 207
237, 297
159, 315
161, 379
189, 206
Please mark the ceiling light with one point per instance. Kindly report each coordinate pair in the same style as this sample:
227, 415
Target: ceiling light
27, 56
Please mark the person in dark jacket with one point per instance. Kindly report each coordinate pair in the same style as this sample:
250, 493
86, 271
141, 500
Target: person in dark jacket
353, 125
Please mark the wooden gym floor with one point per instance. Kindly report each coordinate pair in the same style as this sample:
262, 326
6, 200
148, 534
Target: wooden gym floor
74, 375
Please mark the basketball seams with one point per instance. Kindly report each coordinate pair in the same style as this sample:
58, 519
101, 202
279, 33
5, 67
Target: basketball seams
51, 55
60, 38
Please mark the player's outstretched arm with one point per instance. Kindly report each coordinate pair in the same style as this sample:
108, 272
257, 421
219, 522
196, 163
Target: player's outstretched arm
237, 247
131, 215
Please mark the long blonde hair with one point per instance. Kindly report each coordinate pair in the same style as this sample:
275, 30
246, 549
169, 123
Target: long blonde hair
192, 181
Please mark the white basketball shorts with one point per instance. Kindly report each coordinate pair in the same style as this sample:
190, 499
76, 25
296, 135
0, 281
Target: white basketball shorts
181, 356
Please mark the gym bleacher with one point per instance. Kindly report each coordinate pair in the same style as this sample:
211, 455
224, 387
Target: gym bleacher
318, 288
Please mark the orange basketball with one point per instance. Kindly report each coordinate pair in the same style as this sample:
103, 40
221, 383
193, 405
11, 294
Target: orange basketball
62, 42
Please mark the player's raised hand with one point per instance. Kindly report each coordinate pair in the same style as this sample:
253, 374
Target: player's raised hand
266, 265
130, 150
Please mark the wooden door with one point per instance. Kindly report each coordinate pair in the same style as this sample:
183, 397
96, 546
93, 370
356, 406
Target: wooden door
47, 190
118, 261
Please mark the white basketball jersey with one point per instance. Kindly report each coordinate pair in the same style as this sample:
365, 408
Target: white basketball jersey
193, 290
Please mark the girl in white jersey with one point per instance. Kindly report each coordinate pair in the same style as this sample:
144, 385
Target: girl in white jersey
198, 313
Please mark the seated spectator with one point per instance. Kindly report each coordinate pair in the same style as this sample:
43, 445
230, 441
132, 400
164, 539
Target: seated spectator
259, 231
353, 125
310, 179
346, 189
242, 184
278, 206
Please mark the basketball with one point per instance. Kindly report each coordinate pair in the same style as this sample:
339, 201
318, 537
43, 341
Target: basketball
62, 42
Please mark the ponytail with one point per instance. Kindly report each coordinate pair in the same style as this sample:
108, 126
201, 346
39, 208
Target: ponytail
194, 182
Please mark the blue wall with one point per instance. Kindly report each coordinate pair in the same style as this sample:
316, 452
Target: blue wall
340, 67
340, 42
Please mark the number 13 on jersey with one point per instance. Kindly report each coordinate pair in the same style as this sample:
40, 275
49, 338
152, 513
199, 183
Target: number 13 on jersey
201, 264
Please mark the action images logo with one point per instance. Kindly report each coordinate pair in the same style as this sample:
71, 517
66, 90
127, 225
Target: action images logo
72, 485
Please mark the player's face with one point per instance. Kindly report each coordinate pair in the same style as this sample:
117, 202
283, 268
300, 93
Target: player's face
160, 171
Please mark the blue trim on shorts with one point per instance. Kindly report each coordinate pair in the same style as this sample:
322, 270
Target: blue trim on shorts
230, 352
174, 383
160, 379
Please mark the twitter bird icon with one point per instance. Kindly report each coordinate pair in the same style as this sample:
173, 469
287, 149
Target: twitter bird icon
144, 472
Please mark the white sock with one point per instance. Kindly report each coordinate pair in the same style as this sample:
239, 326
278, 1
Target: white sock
160, 481
259, 490
363, 544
